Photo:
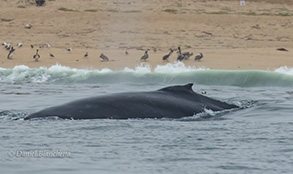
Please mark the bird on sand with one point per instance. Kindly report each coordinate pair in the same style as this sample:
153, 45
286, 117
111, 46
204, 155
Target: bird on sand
166, 57
37, 56
180, 57
10, 54
105, 58
198, 57
69, 49
51, 55
86, 55
145, 56
187, 55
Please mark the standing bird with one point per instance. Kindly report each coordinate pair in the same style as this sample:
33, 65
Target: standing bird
198, 57
180, 56
86, 55
37, 56
105, 58
28, 26
10, 54
145, 56
51, 55
19, 45
126, 52
69, 49
32, 46
187, 55
8, 46
165, 58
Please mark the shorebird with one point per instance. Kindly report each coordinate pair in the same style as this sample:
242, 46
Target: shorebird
8, 46
32, 46
180, 56
145, 56
51, 55
10, 54
105, 58
37, 56
168, 55
69, 49
28, 26
86, 55
48, 46
19, 45
198, 57
282, 49
187, 55
126, 52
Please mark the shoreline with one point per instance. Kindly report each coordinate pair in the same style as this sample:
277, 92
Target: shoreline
228, 59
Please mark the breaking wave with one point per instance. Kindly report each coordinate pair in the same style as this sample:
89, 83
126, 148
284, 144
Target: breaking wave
162, 74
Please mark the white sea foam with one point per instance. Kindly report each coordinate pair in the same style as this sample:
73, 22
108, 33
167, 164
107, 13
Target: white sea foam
176, 67
142, 68
176, 72
61, 68
285, 70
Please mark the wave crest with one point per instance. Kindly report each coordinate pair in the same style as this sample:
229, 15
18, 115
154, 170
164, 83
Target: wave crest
171, 73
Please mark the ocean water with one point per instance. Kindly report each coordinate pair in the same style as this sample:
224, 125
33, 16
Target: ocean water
255, 139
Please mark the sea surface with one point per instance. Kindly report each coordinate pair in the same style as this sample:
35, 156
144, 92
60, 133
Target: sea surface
258, 138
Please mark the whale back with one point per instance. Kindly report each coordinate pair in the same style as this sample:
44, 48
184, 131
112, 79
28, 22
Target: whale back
172, 102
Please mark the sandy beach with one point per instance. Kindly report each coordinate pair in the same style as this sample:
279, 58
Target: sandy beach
228, 35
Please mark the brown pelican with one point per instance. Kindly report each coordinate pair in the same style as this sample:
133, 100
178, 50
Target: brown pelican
28, 26
37, 56
187, 55
168, 55
19, 45
198, 57
10, 54
105, 58
180, 56
145, 56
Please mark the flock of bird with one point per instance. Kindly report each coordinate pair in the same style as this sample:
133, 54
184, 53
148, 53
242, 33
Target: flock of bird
180, 56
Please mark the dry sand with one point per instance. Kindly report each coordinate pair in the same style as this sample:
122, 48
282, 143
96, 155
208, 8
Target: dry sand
229, 36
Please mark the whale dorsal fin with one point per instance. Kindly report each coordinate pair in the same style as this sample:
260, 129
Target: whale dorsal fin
177, 88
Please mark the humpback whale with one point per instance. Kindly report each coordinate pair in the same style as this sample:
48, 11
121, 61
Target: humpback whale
169, 102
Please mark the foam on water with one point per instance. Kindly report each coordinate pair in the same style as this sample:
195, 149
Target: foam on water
285, 70
170, 73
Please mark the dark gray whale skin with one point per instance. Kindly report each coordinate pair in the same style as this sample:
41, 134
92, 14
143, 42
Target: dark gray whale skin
169, 102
